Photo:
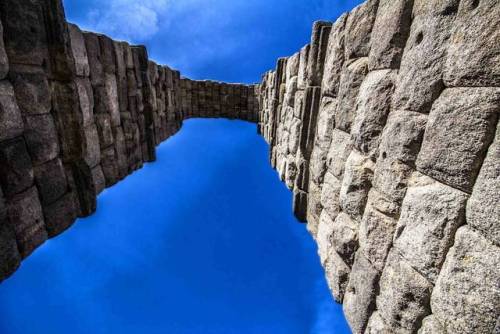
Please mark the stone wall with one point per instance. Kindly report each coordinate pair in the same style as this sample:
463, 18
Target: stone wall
385, 127
78, 113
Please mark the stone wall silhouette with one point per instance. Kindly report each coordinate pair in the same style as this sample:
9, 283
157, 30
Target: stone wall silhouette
385, 127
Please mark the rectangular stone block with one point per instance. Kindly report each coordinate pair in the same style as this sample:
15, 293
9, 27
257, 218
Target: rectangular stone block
345, 237
9, 254
404, 296
420, 79
430, 215
324, 236
11, 122
390, 32
92, 149
473, 56
359, 28
391, 178
86, 100
317, 52
107, 54
350, 82
330, 195
79, 51
340, 149
4, 61
334, 60
103, 122
61, 214
461, 126
99, 179
359, 298
16, 169
94, 55
109, 166
466, 296
337, 275
51, 181
356, 184
302, 76
26, 218
32, 90
41, 138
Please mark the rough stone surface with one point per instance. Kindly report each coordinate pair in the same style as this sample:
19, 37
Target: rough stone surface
358, 29
11, 123
430, 215
467, 295
345, 238
469, 116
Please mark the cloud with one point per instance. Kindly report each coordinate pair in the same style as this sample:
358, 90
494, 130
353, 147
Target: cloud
131, 20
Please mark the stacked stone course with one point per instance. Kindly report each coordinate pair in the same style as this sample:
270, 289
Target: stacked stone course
78, 113
384, 127
398, 174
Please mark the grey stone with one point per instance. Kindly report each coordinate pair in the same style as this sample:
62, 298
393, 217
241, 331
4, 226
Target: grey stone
483, 207
435, 8
16, 169
337, 275
402, 136
420, 79
350, 82
60, 215
359, 298
358, 29
99, 179
356, 184
51, 181
324, 236
345, 237
330, 195
340, 149
109, 166
86, 100
390, 32
430, 216
317, 52
431, 325
473, 56
377, 325
467, 296
103, 122
41, 138
92, 148
334, 60
32, 91
302, 76
391, 178
26, 219
9, 254
404, 296
469, 116
94, 54
11, 123
314, 208
292, 66
376, 232
373, 105
79, 51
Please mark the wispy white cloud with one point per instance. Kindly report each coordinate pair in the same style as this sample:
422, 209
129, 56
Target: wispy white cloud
129, 19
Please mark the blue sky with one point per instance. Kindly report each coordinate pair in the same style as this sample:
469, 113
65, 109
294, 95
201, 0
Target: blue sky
227, 40
203, 241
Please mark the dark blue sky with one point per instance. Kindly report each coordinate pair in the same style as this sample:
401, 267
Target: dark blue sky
203, 241
227, 40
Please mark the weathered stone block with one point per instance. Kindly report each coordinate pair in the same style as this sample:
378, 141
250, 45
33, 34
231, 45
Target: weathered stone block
26, 218
345, 237
460, 128
466, 296
317, 52
11, 123
25, 43
61, 214
324, 236
99, 179
373, 105
359, 298
340, 149
359, 28
402, 136
292, 66
431, 325
473, 56
304, 55
103, 122
32, 91
376, 231
334, 60
92, 148
350, 82
94, 54
356, 184
41, 138
51, 181
330, 195
420, 79
390, 32
337, 275
377, 325
107, 54
482, 208
86, 100
79, 51
391, 178
109, 166
430, 215
16, 169
404, 295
